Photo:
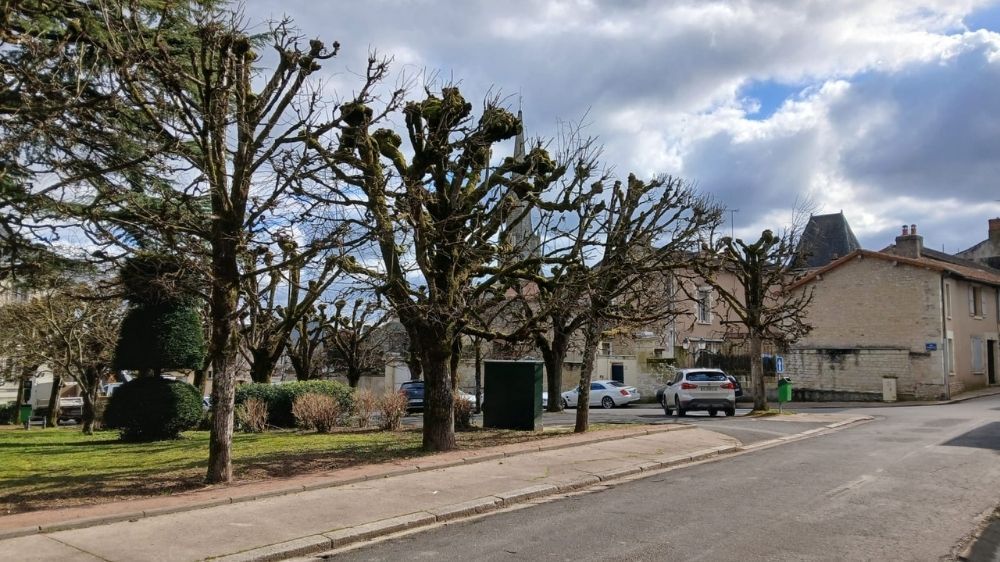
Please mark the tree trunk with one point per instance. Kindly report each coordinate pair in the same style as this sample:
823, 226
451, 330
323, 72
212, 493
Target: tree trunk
89, 414
91, 381
53, 413
439, 412
262, 366
413, 360
757, 373
593, 336
456, 356
225, 299
554, 355
199, 380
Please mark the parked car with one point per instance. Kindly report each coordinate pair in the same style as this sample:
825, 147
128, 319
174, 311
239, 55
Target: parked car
606, 394
698, 389
738, 390
71, 409
414, 391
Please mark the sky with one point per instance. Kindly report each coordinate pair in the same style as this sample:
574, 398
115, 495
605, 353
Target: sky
887, 110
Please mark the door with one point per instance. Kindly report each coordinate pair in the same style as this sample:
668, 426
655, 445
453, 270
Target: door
991, 361
618, 372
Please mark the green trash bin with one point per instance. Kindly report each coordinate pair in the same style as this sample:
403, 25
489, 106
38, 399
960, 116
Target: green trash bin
512, 395
25, 413
784, 389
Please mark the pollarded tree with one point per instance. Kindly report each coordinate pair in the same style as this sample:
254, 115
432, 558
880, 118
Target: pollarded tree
278, 300
764, 308
645, 232
354, 339
437, 211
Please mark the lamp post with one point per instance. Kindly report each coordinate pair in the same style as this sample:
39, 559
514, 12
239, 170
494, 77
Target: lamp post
732, 222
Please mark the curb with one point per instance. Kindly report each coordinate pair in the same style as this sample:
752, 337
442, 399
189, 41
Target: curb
984, 544
153, 512
350, 535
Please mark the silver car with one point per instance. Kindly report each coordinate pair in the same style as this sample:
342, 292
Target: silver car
606, 394
699, 389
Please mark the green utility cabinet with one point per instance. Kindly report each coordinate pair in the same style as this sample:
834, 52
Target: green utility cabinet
784, 389
512, 395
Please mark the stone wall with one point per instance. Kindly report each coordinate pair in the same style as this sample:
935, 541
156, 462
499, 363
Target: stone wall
840, 373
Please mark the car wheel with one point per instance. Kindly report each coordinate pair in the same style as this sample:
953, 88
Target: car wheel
677, 404
731, 411
607, 403
713, 412
663, 402
565, 404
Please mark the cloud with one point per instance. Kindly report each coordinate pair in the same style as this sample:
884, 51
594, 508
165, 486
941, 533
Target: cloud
885, 110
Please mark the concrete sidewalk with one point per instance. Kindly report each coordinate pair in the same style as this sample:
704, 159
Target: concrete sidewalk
338, 511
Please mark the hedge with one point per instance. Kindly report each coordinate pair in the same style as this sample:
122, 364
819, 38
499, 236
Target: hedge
279, 397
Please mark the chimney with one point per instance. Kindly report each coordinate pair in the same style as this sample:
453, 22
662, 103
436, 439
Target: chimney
995, 229
909, 244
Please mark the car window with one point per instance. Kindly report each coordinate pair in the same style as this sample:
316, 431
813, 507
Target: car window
596, 386
678, 377
705, 377
617, 383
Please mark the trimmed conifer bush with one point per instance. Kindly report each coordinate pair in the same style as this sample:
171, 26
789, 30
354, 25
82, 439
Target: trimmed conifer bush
153, 408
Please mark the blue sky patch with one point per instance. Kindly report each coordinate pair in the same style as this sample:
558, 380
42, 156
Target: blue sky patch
769, 94
985, 18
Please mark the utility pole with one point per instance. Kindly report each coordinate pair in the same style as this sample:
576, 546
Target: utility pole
732, 222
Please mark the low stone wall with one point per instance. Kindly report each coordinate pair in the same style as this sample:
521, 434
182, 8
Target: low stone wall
855, 374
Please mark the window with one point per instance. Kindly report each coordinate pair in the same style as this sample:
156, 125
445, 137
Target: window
947, 300
704, 306
977, 355
605, 348
976, 301
951, 356
596, 386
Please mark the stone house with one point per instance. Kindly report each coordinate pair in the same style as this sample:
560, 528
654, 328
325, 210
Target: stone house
925, 318
986, 252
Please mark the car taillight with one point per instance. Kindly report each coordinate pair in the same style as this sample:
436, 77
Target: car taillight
624, 392
728, 386
688, 386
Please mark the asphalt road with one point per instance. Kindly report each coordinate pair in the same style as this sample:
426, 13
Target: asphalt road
907, 486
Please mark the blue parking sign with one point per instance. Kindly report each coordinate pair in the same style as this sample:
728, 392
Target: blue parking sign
779, 364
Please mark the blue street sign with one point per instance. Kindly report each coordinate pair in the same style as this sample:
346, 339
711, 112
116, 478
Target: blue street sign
779, 364
930, 347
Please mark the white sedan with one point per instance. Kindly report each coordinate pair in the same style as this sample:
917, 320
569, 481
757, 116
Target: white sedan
606, 394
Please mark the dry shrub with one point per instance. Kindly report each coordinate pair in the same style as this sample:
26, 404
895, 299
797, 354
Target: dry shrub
316, 411
463, 413
392, 407
251, 416
366, 403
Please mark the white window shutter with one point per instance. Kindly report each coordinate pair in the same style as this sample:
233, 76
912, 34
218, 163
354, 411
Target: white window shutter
982, 302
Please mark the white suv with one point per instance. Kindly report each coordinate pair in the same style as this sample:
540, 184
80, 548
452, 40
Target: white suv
699, 389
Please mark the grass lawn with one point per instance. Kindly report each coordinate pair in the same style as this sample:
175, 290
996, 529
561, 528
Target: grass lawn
59, 467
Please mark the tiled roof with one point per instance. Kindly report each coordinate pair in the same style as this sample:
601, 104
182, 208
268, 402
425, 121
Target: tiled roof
976, 272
